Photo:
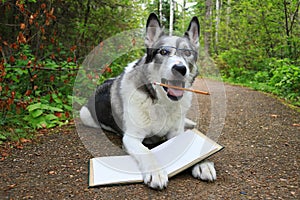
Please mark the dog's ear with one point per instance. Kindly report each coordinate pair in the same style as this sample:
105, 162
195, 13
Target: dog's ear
153, 30
193, 31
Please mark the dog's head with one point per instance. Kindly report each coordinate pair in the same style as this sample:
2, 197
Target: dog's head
172, 59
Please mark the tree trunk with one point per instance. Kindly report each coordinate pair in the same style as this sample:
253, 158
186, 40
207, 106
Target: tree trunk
183, 13
171, 17
218, 8
160, 10
287, 30
228, 10
294, 16
85, 22
207, 35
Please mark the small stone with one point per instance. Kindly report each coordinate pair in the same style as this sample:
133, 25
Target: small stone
293, 193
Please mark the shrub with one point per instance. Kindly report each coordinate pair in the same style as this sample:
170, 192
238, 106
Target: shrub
261, 76
34, 93
278, 76
286, 80
49, 111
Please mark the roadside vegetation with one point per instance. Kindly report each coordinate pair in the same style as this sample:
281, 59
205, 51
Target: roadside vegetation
42, 44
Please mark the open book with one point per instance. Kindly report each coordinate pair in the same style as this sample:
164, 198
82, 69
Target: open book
174, 155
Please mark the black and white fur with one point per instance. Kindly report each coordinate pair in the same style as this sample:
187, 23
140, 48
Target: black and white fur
130, 104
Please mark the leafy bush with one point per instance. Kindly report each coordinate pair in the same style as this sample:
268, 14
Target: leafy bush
261, 76
286, 80
280, 77
34, 93
240, 67
49, 111
230, 58
38, 57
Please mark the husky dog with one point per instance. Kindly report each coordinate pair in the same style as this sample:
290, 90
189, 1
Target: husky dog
130, 104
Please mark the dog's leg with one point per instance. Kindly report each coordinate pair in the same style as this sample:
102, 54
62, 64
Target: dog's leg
205, 171
153, 175
189, 124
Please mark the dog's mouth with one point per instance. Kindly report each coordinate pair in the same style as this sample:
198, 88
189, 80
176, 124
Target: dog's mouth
173, 94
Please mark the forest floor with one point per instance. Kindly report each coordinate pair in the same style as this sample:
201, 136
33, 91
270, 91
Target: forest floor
260, 160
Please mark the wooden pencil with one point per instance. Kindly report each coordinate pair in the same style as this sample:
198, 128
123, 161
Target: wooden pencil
180, 88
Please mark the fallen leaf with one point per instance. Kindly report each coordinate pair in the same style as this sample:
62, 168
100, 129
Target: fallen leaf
4, 154
23, 140
12, 186
297, 125
51, 172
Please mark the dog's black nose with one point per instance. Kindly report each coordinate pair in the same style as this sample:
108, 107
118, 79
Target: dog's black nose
179, 68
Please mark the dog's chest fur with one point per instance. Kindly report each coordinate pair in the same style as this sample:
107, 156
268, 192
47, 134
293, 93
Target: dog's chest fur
143, 115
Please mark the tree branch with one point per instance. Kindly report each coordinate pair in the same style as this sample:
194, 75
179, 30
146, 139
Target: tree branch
286, 19
294, 17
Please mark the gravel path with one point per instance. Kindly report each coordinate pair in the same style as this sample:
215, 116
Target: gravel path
260, 160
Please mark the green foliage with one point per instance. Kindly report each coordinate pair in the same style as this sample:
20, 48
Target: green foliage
46, 115
286, 80
257, 44
261, 76
118, 65
282, 78
14, 134
41, 44
34, 93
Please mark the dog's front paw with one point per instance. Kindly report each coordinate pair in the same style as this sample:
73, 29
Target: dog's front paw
156, 179
205, 171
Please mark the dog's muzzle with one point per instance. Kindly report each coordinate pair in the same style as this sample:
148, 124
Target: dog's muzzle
172, 93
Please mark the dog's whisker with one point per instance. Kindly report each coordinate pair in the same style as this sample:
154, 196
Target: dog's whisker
180, 88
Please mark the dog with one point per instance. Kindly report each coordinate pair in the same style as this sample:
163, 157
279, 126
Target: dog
131, 105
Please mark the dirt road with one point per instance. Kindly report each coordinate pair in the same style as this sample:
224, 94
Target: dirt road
261, 137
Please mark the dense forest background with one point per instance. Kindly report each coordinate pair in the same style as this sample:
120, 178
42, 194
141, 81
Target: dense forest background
42, 44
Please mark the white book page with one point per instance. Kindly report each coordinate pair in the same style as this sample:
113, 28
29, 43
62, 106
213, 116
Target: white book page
174, 156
